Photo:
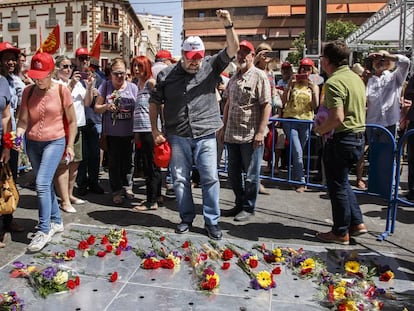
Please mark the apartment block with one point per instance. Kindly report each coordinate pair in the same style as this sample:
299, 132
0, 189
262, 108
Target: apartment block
277, 22
24, 22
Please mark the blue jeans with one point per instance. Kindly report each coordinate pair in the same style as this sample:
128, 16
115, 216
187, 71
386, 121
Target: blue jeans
45, 157
340, 154
298, 135
202, 152
242, 158
88, 171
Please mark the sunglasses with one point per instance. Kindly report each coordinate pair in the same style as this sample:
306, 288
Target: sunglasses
67, 66
118, 73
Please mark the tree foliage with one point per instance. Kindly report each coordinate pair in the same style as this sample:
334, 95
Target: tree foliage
334, 30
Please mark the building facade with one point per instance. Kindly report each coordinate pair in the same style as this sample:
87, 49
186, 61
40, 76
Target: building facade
277, 22
163, 25
24, 22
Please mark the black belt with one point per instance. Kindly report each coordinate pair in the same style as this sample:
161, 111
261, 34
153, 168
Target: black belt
358, 135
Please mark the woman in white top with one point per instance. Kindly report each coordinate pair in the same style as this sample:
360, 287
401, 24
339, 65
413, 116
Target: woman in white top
81, 94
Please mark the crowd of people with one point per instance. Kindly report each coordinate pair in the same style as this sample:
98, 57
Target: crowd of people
72, 115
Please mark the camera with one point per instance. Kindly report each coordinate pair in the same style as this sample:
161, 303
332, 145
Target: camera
301, 76
84, 75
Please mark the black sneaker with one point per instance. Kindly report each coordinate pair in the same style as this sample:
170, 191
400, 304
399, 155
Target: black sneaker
231, 212
214, 232
243, 216
183, 227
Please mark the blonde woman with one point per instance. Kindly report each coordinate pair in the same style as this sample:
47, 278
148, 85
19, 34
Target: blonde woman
66, 172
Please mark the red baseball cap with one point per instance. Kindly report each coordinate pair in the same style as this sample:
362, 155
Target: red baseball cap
193, 47
163, 54
41, 66
247, 44
286, 64
81, 51
8, 47
307, 62
162, 154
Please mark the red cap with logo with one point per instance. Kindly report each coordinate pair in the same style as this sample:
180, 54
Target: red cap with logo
41, 66
307, 62
247, 44
8, 47
286, 65
81, 51
193, 47
162, 154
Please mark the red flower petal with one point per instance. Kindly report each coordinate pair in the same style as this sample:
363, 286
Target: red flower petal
253, 263
114, 277
276, 270
71, 253
104, 240
71, 284
225, 266
186, 244
101, 254
91, 239
77, 281
118, 251
162, 238
83, 245
109, 248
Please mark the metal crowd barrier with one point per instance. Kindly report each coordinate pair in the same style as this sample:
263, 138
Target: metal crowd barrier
384, 159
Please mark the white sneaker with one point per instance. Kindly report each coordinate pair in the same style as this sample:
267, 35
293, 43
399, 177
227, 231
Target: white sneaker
38, 242
55, 228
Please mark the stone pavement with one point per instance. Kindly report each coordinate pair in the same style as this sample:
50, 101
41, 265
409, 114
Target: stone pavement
283, 218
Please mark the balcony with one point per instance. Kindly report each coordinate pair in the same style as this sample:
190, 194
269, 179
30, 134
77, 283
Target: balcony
13, 26
50, 23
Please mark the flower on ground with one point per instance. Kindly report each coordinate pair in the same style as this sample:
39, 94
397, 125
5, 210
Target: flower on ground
113, 277
386, 276
352, 266
10, 301
264, 280
210, 279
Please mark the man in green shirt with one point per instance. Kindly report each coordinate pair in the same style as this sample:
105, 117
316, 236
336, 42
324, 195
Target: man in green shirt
345, 100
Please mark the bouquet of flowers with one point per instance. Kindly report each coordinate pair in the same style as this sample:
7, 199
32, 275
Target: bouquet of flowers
115, 98
59, 257
304, 265
51, 280
10, 140
171, 261
209, 279
9, 301
276, 255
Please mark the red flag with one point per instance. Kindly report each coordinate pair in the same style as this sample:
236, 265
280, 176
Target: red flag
95, 50
52, 42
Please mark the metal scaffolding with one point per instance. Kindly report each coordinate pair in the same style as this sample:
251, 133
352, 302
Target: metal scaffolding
392, 24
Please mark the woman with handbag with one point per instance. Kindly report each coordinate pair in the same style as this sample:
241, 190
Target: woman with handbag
5, 126
116, 102
41, 119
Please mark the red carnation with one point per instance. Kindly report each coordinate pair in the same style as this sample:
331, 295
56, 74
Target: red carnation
91, 239
83, 245
225, 266
186, 244
77, 281
227, 254
101, 254
167, 263
276, 270
253, 263
114, 277
104, 240
162, 238
71, 284
7, 140
109, 248
118, 251
71, 253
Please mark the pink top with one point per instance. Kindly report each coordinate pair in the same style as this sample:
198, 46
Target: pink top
45, 119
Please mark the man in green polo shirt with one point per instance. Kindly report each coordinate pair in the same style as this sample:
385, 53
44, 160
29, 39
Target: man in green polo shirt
345, 100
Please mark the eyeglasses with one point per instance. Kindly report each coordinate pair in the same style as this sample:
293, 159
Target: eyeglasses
118, 73
83, 58
67, 66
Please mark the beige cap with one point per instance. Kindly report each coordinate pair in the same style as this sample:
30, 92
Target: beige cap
358, 69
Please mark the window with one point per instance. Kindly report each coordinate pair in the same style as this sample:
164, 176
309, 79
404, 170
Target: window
1, 22
84, 14
15, 40
69, 39
14, 17
105, 15
105, 41
33, 43
115, 13
32, 18
14, 21
114, 41
84, 38
51, 22
69, 16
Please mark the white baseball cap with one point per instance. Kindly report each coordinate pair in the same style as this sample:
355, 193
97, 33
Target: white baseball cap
193, 47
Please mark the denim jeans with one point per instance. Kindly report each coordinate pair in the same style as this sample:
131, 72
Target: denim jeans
242, 158
88, 171
202, 152
340, 154
45, 157
298, 135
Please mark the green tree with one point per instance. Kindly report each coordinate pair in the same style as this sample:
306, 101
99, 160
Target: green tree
334, 30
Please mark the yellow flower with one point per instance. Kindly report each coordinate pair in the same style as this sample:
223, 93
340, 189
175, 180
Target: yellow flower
264, 278
339, 292
352, 266
176, 260
277, 252
61, 277
351, 306
308, 264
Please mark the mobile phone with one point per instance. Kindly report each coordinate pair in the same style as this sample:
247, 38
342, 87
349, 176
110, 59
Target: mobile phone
84, 75
272, 54
301, 76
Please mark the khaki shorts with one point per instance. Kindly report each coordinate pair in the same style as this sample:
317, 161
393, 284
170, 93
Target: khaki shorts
77, 147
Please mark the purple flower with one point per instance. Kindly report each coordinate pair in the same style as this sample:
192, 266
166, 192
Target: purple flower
128, 248
18, 141
19, 265
151, 254
254, 284
49, 273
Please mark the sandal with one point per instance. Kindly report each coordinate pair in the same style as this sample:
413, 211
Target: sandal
117, 199
129, 194
145, 206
